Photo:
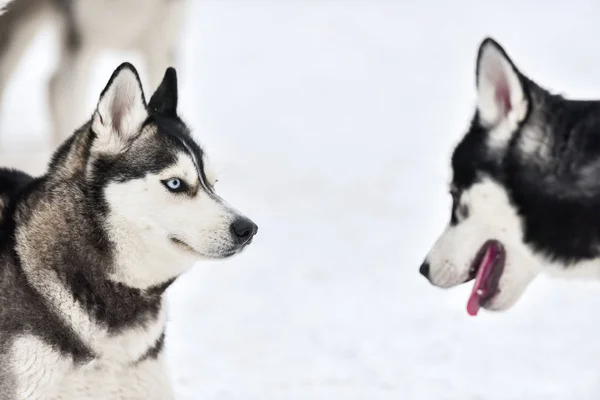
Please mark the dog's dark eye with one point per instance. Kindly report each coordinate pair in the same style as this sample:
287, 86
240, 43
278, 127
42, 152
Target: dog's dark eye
455, 195
175, 185
454, 212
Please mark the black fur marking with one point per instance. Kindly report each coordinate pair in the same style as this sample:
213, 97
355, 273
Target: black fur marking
164, 100
12, 181
154, 351
454, 210
114, 304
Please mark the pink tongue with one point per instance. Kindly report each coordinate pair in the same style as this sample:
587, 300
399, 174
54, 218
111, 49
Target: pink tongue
485, 268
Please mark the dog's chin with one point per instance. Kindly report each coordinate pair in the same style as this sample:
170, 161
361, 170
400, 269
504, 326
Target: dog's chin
510, 292
500, 302
211, 255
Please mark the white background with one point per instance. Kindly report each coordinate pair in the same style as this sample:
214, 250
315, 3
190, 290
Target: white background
332, 123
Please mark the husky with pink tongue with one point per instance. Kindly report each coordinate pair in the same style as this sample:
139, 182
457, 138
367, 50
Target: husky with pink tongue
525, 189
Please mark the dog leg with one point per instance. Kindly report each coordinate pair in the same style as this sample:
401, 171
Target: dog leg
67, 91
159, 45
18, 27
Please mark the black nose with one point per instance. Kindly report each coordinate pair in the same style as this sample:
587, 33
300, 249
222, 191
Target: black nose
243, 229
424, 270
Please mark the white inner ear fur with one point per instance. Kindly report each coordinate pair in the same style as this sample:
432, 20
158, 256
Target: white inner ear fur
500, 96
120, 113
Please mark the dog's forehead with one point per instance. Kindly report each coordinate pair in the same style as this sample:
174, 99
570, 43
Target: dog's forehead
190, 160
183, 167
159, 147
176, 138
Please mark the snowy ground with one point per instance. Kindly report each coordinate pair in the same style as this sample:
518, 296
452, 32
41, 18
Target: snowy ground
332, 122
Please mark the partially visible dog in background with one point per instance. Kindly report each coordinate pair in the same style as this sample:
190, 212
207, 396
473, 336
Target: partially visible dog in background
3, 3
86, 28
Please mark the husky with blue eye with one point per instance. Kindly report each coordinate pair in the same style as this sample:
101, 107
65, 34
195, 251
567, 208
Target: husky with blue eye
87, 251
525, 189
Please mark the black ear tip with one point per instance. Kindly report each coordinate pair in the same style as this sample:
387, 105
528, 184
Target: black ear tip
123, 66
164, 99
171, 74
126, 65
490, 42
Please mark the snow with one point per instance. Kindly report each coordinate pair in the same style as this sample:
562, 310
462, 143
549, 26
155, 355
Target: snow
332, 123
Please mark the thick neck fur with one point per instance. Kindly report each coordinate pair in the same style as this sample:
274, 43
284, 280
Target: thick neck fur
58, 240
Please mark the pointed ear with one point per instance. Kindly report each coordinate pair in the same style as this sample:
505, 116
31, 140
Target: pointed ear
120, 112
164, 100
500, 90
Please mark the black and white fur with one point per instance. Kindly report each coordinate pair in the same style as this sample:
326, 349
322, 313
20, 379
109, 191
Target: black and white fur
86, 28
526, 173
87, 250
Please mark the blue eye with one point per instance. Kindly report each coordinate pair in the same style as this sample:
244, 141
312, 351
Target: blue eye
174, 184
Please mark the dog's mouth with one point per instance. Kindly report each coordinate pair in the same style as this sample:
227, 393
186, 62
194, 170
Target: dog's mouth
486, 269
189, 249
183, 245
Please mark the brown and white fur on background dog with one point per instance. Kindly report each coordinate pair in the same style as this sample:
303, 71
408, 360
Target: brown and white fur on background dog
3, 4
87, 251
86, 28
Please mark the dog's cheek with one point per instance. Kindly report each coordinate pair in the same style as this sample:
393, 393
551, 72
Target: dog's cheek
519, 272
